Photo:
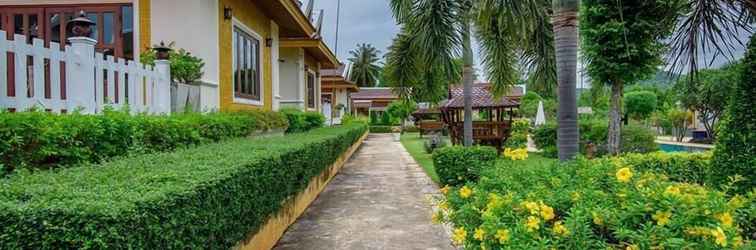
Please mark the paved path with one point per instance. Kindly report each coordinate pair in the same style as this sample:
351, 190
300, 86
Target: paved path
379, 200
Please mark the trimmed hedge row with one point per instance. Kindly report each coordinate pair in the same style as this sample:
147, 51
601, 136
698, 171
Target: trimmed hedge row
40, 140
300, 121
211, 196
458, 165
682, 167
381, 129
635, 138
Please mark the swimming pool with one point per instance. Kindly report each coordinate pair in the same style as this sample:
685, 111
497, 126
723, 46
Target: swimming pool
668, 147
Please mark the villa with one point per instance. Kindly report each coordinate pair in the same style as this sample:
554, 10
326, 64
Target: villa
258, 54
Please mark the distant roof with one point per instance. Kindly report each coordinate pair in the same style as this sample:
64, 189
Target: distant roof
374, 93
482, 97
338, 71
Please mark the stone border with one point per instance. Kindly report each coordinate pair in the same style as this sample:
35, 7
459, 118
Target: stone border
275, 227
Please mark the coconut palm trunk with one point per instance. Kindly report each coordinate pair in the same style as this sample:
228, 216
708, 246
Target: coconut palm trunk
467, 81
565, 21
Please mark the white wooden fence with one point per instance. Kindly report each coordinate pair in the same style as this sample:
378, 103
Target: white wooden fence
90, 81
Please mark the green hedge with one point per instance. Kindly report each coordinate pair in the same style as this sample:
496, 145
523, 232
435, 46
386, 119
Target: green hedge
635, 138
211, 196
381, 129
683, 167
458, 165
40, 140
592, 205
300, 121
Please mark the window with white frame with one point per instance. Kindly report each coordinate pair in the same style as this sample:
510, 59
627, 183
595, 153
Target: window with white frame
247, 60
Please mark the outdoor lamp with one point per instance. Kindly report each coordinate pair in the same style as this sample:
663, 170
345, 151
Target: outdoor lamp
81, 26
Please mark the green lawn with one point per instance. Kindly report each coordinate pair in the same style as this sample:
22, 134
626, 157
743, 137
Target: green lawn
414, 145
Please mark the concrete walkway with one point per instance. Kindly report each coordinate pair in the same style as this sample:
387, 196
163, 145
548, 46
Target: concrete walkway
379, 200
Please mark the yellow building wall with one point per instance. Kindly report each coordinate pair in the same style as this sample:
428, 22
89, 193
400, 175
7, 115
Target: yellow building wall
248, 13
144, 25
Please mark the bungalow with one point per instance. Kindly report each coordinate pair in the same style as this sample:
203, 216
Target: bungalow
375, 99
258, 54
336, 91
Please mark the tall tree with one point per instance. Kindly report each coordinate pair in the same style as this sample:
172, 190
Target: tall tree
622, 42
434, 32
708, 94
565, 23
365, 68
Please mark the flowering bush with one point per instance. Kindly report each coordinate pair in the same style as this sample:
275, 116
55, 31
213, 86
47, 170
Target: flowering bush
516, 154
590, 205
519, 135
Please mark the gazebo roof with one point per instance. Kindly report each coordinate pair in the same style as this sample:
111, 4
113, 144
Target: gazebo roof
482, 97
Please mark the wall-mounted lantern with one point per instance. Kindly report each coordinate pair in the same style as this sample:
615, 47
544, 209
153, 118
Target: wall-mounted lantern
268, 42
81, 26
228, 13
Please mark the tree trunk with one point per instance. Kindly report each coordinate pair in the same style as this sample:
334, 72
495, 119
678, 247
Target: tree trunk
565, 21
467, 80
615, 119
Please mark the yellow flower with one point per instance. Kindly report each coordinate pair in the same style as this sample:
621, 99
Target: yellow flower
445, 190
531, 206
736, 202
632, 247
719, 236
624, 174
516, 154
494, 201
532, 224
479, 234
547, 212
672, 190
465, 192
560, 229
724, 218
597, 219
662, 218
502, 235
459, 235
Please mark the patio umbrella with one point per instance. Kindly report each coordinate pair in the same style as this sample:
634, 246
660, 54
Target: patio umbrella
540, 116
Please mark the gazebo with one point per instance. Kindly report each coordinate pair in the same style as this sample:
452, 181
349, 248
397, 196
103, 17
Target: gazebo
428, 120
492, 126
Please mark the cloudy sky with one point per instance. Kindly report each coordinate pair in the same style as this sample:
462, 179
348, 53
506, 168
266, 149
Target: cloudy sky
370, 21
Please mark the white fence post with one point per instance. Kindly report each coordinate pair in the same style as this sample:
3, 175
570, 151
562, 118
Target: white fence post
80, 84
162, 94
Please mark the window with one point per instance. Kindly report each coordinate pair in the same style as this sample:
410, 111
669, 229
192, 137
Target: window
246, 52
310, 90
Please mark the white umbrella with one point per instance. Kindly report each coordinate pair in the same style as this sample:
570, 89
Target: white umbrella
540, 116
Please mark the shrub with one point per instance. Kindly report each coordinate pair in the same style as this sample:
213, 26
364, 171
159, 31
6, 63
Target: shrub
458, 165
635, 138
40, 140
640, 104
735, 153
185, 67
589, 205
682, 167
519, 135
349, 119
300, 121
380, 129
638, 139
212, 196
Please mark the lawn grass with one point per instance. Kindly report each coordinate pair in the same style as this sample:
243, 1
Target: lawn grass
414, 145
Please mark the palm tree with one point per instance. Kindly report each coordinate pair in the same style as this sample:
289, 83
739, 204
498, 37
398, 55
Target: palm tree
435, 32
365, 69
565, 22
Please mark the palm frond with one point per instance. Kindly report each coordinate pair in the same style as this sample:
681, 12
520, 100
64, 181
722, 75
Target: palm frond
709, 29
538, 53
401, 9
402, 65
436, 27
497, 29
